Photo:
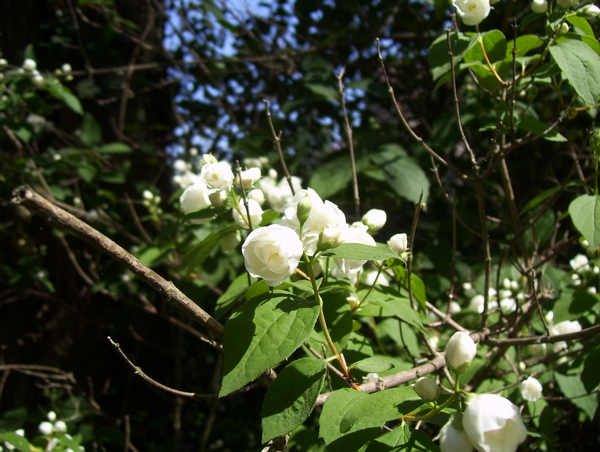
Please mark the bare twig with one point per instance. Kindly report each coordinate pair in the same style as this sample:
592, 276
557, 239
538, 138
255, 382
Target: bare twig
277, 141
348, 129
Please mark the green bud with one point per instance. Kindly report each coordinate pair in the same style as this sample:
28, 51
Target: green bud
303, 209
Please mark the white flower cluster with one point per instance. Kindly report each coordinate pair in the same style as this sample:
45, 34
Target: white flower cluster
582, 269
51, 426
507, 298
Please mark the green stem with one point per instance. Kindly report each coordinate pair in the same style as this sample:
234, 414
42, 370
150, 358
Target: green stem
322, 321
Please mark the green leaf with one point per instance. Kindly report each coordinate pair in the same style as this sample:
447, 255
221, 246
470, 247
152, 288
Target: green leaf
203, 213
114, 148
380, 407
338, 315
292, 396
268, 216
538, 128
404, 438
401, 309
418, 288
199, 253
91, 132
403, 175
235, 290
524, 44
87, 171
13, 419
61, 92
361, 252
334, 410
572, 387
19, 442
495, 48
263, 332
438, 56
580, 65
582, 24
331, 177
585, 213
372, 365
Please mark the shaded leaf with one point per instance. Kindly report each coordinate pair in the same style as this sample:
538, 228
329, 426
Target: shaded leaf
292, 396
585, 213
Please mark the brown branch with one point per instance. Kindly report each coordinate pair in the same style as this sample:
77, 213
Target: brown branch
59, 218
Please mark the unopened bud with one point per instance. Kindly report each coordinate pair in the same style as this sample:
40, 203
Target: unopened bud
303, 210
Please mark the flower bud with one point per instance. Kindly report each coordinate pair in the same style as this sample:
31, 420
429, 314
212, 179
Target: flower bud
539, 6
460, 351
29, 64
249, 178
45, 428
231, 241
427, 389
565, 4
374, 219
564, 28
257, 195
60, 426
303, 209
218, 198
330, 238
207, 158
398, 243
51, 416
589, 12
240, 215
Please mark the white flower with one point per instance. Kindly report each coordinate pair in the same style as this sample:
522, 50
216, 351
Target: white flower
531, 389
427, 389
147, 195
195, 197
45, 428
455, 307
566, 327
452, 440
476, 303
493, 424
537, 349
272, 253
472, 12
539, 6
460, 351
51, 416
398, 243
60, 426
3, 63
322, 215
180, 165
508, 305
374, 219
218, 175
352, 276
354, 235
580, 263
29, 64
66, 67
249, 177
240, 214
